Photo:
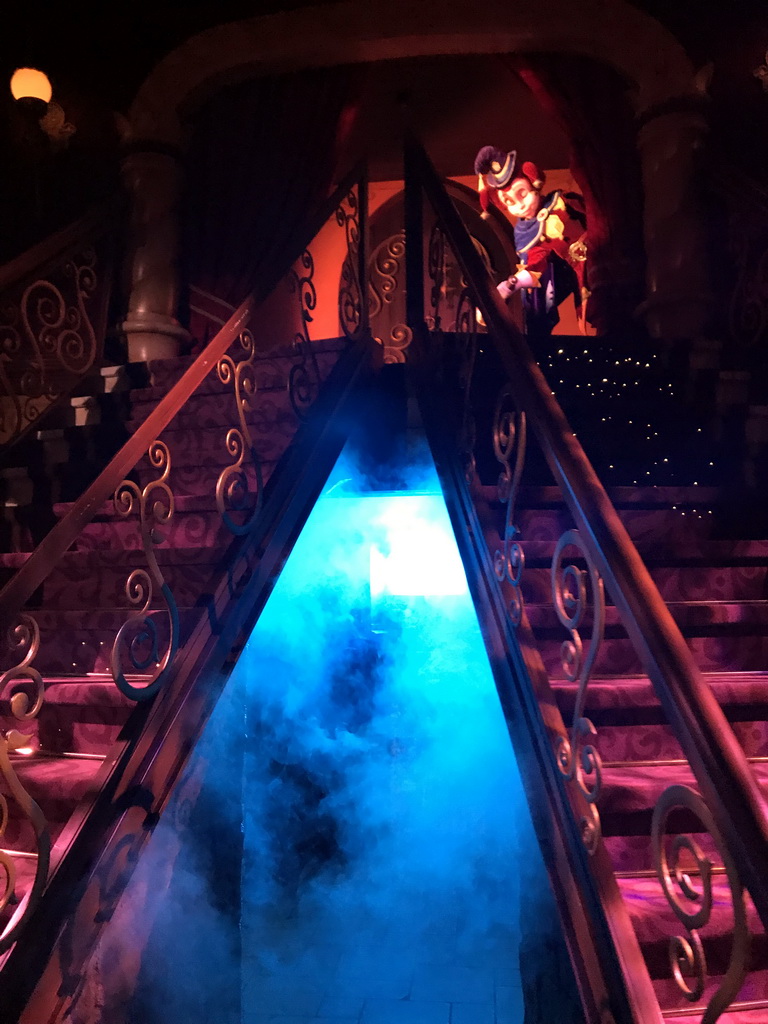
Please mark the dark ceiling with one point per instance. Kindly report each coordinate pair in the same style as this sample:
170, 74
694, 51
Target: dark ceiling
97, 57
111, 47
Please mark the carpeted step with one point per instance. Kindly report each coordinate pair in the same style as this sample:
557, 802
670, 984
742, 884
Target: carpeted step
164, 373
676, 584
198, 479
655, 923
750, 1007
543, 496
79, 641
267, 411
722, 635
57, 784
196, 446
630, 793
632, 726
80, 714
645, 527
203, 529
84, 579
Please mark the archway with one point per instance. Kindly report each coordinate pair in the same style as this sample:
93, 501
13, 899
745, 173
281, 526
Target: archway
663, 92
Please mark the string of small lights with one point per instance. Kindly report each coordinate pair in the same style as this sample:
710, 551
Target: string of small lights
628, 415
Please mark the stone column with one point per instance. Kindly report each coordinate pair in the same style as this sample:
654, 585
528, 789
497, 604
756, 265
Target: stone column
680, 301
153, 178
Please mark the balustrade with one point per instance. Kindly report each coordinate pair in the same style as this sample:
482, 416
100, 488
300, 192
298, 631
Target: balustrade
203, 454
53, 319
592, 554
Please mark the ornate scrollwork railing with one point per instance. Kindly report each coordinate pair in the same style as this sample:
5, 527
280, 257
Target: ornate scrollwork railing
145, 646
466, 354
692, 904
232, 487
52, 323
578, 757
436, 254
351, 292
731, 805
386, 267
304, 377
138, 637
384, 288
27, 693
509, 445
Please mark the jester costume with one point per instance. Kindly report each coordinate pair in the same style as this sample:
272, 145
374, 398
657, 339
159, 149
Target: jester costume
553, 245
550, 236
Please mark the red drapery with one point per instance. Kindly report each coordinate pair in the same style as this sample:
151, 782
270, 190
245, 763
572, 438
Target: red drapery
263, 156
590, 102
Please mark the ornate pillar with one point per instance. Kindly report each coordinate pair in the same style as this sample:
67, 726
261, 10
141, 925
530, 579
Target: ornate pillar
153, 178
680, 301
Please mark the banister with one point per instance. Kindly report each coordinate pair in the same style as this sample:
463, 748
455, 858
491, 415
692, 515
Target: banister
726, 781
31, 575
94, 221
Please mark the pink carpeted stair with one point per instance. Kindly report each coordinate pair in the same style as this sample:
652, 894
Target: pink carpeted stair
82, 604
717, 591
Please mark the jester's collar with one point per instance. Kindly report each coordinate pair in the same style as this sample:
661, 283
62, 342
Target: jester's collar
529, 232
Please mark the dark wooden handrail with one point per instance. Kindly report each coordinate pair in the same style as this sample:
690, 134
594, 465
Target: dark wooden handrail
724, 776
23, 584
95, 223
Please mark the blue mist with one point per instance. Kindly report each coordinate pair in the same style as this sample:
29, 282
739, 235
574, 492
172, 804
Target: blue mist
384, 813
384, 827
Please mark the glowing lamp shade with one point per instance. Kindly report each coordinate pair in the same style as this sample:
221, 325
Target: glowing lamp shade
30, 84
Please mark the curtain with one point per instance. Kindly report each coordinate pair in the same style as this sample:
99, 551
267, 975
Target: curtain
263, 156
590, 102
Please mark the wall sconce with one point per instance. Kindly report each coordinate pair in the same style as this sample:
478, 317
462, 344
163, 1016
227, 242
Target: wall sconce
32, 91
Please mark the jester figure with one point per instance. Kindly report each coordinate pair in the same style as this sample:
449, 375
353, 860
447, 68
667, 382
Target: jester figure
550, 237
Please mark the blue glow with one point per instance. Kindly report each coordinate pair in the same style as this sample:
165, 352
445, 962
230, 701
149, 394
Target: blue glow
377, 728
386, 834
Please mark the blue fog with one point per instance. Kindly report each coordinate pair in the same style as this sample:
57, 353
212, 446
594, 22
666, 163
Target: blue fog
383, 823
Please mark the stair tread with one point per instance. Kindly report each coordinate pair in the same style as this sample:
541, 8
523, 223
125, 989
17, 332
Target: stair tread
57, 783
747, 612
714, 553
122, 558
632, 788
620, 495
184, 503
80, 692
737, 688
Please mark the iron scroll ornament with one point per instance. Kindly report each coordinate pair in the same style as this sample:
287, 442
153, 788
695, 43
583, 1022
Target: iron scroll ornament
232, 488
466, 354
138, 636
47, 341
578, 757
24, 640
509, 444
304, 376
687, 954
351, 287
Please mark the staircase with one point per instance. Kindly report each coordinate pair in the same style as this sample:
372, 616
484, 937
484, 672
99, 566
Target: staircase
99, 766
716, 590
70, 757
639, 721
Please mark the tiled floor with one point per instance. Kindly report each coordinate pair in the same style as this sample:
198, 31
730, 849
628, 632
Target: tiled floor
312, 969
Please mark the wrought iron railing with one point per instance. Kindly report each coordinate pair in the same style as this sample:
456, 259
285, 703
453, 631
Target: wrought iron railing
597, 555
138, 484
53, 314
